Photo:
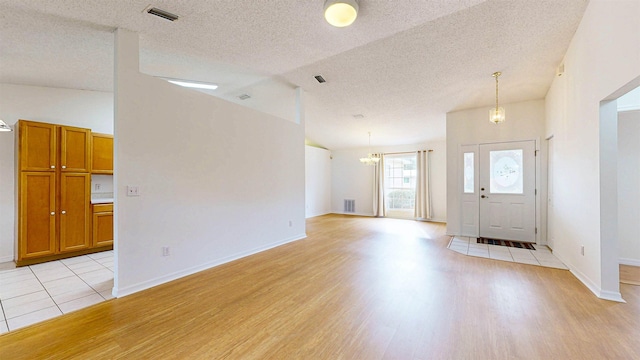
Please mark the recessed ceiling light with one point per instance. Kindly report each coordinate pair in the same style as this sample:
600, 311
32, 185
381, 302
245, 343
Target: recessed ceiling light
193, 84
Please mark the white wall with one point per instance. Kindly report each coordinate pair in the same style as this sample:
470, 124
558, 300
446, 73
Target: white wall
87, 109
629, 187
524, 121
353, 180
603, 56
317, 164
218, 181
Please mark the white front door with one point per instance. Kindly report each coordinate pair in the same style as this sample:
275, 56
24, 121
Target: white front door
508, 191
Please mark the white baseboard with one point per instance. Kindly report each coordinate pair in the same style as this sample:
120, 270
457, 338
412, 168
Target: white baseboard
630, 262
7, 258
596, 290
128, 290
316, 215
354, 214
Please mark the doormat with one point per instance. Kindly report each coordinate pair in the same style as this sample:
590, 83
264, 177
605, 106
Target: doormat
515, 244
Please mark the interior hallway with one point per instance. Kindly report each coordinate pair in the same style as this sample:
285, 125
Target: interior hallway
356, 288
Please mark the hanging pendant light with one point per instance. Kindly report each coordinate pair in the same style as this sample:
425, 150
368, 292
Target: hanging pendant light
371, 159
496, 115
4, 126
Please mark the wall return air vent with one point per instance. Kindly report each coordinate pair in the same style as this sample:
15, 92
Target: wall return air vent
161, 13
349, 206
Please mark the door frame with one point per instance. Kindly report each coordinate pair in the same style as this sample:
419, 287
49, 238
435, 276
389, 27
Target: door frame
540, 235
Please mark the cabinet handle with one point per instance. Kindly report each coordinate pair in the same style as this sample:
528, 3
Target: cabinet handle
64, 166
63, 212
53, 213
53, 166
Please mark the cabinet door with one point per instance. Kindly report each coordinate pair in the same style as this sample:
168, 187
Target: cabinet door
101, 153
37, 222
102, 229
75, 197
37, 148
75, 149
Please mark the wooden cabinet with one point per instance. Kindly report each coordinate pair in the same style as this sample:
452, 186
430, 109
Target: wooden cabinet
37, 146
37, 220
102, 224
75, 220
54, 191
75, 152
49, 147
102, 153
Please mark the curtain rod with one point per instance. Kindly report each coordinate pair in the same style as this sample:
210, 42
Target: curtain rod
405, 152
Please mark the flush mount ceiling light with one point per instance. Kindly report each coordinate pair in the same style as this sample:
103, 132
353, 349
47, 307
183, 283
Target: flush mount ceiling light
371, 159
193, 84
496, 115
4, 126
340, 13
161, 13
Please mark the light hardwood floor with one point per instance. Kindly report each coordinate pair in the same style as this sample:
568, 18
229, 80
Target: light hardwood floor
630, 275
356, 288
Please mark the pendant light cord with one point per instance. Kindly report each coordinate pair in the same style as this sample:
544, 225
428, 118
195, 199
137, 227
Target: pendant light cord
496, 74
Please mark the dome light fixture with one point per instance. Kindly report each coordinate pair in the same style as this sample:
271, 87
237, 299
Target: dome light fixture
340, 13
496, 115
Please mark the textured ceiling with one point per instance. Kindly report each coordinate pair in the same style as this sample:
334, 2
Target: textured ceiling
402, 64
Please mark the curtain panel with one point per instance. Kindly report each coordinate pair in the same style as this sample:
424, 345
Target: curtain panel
423, 191
378, 188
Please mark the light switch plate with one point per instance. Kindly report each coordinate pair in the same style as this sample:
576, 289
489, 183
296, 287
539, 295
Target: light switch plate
133, 190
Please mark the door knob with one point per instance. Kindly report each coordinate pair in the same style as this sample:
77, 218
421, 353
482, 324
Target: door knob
483, 196
482, 189
64, 166
63, 212
53, 213
53, 166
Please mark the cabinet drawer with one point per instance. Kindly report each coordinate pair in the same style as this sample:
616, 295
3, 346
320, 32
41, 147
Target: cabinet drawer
102, 208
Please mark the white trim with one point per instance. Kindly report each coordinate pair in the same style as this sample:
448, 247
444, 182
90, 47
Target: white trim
596, 290
354, 214
630, 262
195, 269
632, 107
316, 215
7, 258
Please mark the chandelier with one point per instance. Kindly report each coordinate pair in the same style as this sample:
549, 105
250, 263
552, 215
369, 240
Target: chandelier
496, 115
371, 159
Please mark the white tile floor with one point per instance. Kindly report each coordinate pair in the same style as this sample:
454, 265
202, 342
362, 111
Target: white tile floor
35, 293
542, 256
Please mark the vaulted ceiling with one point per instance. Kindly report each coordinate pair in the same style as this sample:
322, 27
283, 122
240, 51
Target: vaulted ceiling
402, 65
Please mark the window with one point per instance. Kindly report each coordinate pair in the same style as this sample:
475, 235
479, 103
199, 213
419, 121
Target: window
506, 171
469, 173
400, 183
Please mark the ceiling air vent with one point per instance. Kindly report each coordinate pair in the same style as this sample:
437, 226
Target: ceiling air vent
320, 79
244, 97
163, 14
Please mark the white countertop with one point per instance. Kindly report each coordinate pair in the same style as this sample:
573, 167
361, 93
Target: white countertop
101, 198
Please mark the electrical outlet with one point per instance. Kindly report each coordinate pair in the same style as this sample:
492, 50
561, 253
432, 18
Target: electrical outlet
133, 190
582, 250
165, 251
97, 186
